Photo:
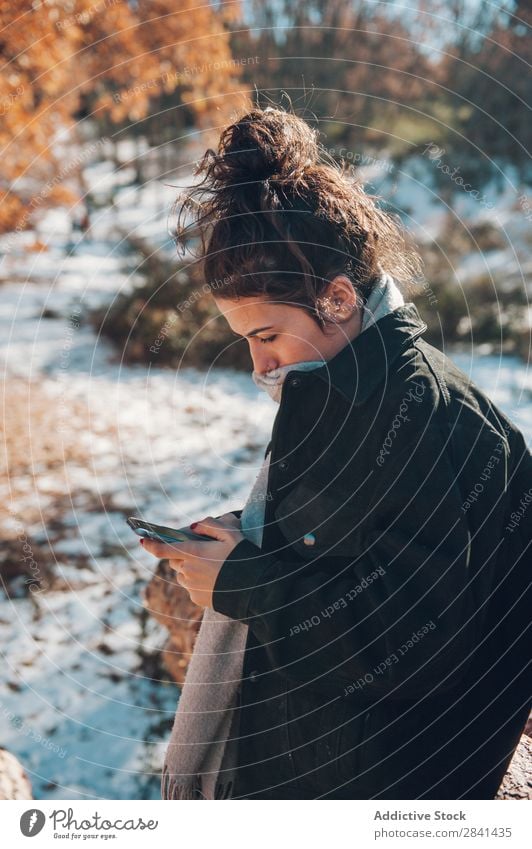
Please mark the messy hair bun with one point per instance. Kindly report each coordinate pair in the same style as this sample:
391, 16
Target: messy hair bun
277, 217
265, 144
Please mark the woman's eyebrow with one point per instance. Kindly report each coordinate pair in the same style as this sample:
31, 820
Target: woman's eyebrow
253, 332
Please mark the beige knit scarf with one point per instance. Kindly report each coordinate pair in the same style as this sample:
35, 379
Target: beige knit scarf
201, 758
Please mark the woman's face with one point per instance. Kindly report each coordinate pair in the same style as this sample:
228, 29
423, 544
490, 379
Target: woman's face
281, 334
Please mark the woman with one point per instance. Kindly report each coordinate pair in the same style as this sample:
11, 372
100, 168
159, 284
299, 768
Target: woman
364, 626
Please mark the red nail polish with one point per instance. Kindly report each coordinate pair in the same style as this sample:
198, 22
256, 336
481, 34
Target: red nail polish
193, 525
141, 541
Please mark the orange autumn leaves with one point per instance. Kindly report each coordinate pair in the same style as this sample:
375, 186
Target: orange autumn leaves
62, 61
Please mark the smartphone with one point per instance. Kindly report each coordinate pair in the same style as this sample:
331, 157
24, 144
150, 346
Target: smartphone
162, 534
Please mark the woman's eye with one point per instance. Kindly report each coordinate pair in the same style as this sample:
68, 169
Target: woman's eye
267, 339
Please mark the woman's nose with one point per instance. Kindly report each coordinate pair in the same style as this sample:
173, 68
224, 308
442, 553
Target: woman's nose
263, 362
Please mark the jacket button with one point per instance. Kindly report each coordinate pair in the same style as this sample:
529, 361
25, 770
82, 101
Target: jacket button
295, 381
309, 539
253, 676
283, 465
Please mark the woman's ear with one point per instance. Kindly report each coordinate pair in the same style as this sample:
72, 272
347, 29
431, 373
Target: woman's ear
341, 289
339, 301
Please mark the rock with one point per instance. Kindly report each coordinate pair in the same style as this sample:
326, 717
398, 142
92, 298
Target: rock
517, 783
14, 781
170, 604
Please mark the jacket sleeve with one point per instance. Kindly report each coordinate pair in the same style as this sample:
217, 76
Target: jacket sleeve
389, 606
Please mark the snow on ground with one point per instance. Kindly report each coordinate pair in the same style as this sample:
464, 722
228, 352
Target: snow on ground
82, 709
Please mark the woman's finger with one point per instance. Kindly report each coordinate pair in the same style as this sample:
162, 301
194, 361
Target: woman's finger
230, 520
177, 566
211, 527
166, 550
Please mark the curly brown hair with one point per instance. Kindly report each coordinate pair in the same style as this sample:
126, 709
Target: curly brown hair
277, 217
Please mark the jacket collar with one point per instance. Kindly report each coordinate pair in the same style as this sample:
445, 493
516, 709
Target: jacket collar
358, 368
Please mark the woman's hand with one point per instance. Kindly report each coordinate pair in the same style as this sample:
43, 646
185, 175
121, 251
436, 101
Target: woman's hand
197, 563
229, 520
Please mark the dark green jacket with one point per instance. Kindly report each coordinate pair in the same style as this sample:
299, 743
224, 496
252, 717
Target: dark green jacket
388, 605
